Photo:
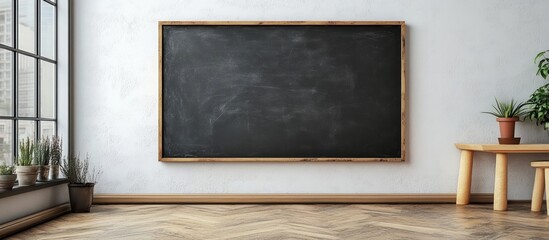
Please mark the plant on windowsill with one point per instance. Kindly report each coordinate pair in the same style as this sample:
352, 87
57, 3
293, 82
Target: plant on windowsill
507, 114
7, 177
539, 100
81, 182
56, 153
42, 155
25, 165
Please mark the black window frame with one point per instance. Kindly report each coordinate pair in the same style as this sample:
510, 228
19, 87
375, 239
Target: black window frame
37, 119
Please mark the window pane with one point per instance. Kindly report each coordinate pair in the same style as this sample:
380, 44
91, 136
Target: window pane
47, 129
47, 89
26, 29
6, 83
47, 30
6, 139
26, 129
6, 22
26, 86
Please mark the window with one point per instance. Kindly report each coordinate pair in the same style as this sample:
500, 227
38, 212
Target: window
28, 72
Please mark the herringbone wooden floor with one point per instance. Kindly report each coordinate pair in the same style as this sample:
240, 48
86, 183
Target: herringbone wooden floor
316, 221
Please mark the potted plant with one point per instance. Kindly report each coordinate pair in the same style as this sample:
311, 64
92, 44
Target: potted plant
539, 100
507, 114
7, 177
81, 183
56, 151
25, 168
42, 155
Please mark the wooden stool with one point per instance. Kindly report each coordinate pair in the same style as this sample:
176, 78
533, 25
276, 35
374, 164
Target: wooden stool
541, 184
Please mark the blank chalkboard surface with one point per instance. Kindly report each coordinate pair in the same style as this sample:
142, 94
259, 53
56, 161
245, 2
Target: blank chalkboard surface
281, 91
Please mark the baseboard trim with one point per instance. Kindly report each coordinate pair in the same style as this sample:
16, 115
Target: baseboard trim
282, 198
23, 223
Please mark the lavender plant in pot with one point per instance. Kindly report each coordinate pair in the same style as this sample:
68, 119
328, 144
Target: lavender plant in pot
7, 177
81, 182
56, 152
507, 114
25, 165
42, 154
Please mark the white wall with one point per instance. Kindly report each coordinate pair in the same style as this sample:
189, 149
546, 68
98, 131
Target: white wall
461, 54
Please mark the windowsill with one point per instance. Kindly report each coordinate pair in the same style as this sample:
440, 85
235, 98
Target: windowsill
39, 185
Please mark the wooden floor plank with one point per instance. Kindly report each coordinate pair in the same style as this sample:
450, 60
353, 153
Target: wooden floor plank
295, 221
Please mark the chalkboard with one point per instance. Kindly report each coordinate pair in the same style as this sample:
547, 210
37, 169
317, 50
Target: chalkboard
281, 91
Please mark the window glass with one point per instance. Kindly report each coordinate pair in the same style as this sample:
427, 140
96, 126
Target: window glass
6, 139
26, 89
47, 129
47, 89
26, 29
47, 30
6, 22
26, 129
6, 83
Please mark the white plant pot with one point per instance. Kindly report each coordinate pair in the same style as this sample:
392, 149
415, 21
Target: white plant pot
43, 173
7, 182
26, 175
54, 172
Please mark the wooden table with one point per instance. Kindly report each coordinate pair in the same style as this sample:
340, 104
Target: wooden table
500, 185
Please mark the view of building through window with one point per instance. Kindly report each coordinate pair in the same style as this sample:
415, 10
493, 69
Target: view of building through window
27, 72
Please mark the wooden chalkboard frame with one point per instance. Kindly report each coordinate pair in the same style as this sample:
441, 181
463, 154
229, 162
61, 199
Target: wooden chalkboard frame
382, 23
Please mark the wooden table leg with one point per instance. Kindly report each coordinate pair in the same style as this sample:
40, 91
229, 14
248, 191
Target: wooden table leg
464, 179
500, 185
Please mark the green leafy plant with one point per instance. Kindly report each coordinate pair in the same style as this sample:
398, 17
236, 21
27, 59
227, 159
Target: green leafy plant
543, 64
6, 169
539, 106
56, 150
26, 153
76, 170
508, 110
539, 100
42, 152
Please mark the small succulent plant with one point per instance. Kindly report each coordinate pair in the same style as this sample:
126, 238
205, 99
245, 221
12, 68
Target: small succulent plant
6, 169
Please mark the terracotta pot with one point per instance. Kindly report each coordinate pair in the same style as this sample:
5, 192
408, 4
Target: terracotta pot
43, 173
7, 182
54, 172
26, 175
81, 196
507, 127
